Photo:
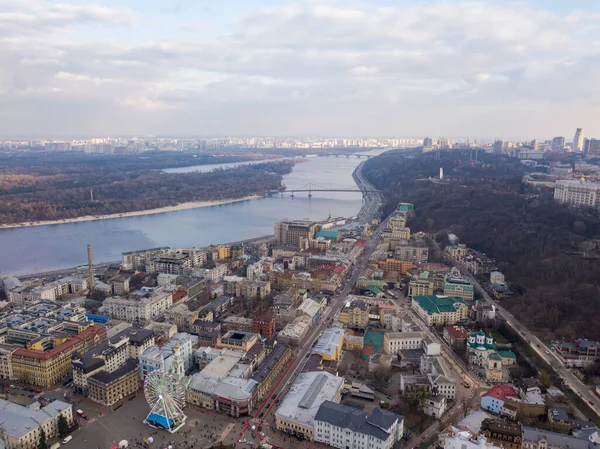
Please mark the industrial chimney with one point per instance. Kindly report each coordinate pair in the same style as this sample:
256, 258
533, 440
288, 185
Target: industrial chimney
91, 282
441, 172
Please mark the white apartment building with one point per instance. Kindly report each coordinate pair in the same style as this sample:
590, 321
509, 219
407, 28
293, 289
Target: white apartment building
254, 271
212, 274
349, 428
577, 193
161, 358
138, 310
463, 439
395, 342
6, 351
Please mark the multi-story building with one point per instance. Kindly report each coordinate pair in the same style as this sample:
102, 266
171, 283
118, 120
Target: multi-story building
455, 335
110, 355
163, 357
296, 413
295, 233
170, 263
591, 147
330, 344
237, 323
544, 439
237, 340
579, 352
6, 369
577, 193
415, 250
230, 395
558, 143
421, 285
501, 433
136, 260
355, 315
294, 332
578, 140
48, 361
182, 316
272, 367
439, 310
399, 266
108, 388
265, 326
494, 399
21, 427
139, 308
394, 342
256, 289
427, 142
457, 438
457, 285
349, 428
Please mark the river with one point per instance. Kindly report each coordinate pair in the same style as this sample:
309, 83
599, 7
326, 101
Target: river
52, 247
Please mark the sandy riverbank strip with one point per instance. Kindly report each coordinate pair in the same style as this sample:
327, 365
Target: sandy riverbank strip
160, 210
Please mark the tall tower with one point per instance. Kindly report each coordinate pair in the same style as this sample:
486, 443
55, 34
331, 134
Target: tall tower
91, 282
441, 173
177, 367
578, 140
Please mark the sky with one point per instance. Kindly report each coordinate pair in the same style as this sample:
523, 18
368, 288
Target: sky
482, 69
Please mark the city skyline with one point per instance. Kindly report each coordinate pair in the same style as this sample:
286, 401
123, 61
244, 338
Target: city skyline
318, 68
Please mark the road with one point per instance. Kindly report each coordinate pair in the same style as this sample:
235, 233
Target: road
336, 304
585, 392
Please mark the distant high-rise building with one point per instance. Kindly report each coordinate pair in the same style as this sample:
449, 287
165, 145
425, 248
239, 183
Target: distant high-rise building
578, 140
427, 142
499, 146
558, 143
443, 143
591, 147
534, 145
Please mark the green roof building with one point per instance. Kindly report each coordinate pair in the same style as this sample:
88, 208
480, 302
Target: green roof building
440, 309
331, 235
405, 207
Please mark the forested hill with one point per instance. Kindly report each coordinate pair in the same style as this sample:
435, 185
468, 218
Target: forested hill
545, 250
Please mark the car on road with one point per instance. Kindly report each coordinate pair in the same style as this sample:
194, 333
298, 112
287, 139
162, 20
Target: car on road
591, 402
389, 396
274, 396
261, 414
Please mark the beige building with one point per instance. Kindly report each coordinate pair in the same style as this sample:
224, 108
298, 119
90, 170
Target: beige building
138, 310
108, 388
20, 426
439, 310
577, 193
355, 315
6, 352
181, 315
295, 233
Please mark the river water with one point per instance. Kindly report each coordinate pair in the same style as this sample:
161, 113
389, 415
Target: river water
44, 248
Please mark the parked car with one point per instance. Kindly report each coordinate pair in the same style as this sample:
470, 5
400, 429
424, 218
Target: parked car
261, 414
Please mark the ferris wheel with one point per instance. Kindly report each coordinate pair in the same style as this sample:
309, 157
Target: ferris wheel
166, 399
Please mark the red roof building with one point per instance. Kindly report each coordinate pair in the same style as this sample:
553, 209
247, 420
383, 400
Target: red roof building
455, 335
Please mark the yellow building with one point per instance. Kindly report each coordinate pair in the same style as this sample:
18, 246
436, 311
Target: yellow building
330, 344
224, 252
353, 342
421, 285
355, 315
493, 370
45, 368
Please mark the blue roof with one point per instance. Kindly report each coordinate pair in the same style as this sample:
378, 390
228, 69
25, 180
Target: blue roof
97, 318
160, 420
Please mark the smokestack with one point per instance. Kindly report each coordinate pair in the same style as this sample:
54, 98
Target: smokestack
441, 172
91, 282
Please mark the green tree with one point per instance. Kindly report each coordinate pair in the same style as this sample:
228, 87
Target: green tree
63, 426
42, 444
545, 378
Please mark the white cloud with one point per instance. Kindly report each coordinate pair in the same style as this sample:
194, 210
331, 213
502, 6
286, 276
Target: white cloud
352, 65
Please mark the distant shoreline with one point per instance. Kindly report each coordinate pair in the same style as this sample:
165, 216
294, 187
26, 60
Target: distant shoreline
137, 213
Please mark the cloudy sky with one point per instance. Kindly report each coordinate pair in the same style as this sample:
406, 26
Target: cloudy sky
485, 69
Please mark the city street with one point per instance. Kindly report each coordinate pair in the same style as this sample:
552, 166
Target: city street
585, 392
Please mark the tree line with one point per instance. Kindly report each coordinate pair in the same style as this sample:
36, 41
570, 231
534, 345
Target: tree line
538, 243
67, 195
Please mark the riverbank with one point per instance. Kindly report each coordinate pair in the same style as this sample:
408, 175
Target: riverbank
160, 210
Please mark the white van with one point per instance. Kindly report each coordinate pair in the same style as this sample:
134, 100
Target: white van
66, 440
